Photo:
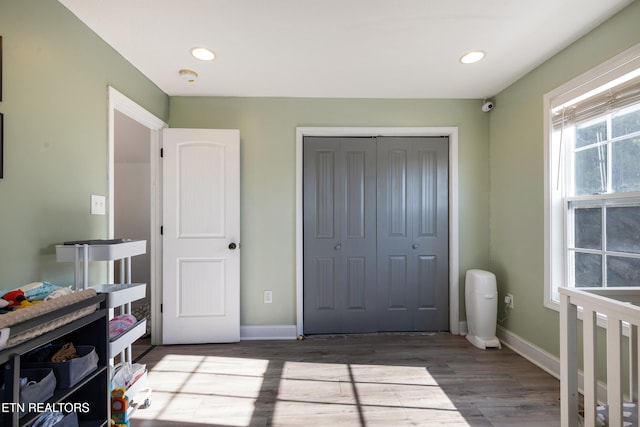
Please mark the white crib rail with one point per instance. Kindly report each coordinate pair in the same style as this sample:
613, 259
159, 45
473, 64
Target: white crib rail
621, 307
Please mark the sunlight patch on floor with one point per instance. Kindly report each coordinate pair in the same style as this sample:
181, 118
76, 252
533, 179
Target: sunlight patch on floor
361, 394
207, 388
239, 391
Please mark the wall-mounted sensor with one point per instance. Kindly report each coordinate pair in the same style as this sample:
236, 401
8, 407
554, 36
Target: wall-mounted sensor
487, 106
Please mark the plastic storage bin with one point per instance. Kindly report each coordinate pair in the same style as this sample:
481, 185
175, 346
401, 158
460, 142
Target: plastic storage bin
481, 295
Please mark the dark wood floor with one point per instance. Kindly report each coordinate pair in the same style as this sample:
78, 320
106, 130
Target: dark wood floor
386, 380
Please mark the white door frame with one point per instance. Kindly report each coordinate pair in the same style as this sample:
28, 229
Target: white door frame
119, 102
452, 133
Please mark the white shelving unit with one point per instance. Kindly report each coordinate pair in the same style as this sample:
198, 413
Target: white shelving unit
82, 252
118, 296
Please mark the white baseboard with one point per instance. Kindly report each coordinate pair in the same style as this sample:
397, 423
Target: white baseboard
268, 332
542, 359
534, 354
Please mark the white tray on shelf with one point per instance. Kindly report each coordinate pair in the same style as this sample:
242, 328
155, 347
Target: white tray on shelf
125, 339
139, 394
120, 294
101, 252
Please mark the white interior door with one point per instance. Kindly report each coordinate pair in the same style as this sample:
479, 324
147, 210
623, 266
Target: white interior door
201, 236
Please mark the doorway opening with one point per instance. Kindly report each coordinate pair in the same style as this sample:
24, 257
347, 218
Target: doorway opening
452, 134
134, 196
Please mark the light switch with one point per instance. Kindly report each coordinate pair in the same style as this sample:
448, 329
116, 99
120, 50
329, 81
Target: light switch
98, 205
268, 297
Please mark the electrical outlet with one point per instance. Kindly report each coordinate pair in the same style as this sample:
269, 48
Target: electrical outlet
268, 297
508, 300
98, 205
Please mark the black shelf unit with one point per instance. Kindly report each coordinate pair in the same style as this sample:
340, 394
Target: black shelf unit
92, 392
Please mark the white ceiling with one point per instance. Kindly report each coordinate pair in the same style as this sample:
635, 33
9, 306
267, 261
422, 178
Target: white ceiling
340, 48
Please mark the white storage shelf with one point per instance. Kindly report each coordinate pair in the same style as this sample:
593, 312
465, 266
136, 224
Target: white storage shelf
118, 295
122, 342
141, 395
101, 252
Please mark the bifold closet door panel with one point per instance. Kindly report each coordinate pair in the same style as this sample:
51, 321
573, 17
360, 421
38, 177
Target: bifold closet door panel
412, 233
339, 235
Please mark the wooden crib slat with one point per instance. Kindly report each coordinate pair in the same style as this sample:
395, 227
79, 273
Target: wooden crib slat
589, 332
620, 306
614, 370
568, 363
633, 363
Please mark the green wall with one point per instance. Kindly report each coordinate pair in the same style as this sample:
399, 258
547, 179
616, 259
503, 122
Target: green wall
56, 72
517, 173
268, 178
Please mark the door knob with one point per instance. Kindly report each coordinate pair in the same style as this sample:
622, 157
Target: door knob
337, 247
232, 246
415, 246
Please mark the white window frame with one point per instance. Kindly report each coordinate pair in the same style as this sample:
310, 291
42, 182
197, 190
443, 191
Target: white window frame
555, 219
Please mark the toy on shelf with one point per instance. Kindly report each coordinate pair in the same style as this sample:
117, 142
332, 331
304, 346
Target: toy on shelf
119, 407
13, 298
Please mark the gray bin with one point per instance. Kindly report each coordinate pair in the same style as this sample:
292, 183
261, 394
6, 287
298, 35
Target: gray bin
69, 420
41, 383
71, 372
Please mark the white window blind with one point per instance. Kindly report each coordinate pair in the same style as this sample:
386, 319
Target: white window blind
609, 98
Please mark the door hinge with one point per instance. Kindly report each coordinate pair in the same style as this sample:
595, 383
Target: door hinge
160, 308
162, 230
162, 152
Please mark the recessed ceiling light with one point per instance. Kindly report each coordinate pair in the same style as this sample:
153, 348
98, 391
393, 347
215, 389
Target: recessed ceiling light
203, 54
188, 75
472, 57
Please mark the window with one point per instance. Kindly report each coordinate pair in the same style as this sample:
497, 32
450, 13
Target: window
602, 200
592, 179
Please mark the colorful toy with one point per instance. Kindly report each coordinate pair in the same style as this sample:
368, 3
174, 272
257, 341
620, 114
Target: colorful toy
13, 298
119, 407
25, 302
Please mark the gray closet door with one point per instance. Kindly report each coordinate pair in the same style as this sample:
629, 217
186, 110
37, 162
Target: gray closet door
339, 235
413, 228
376, 237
